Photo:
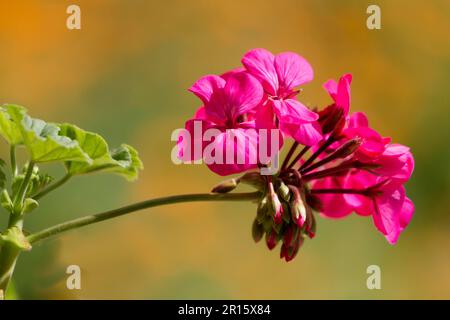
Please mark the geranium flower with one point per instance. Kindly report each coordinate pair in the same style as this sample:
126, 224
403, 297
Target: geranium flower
280, 74
229, 119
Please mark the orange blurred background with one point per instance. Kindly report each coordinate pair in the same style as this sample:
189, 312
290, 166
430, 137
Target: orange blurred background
125, 75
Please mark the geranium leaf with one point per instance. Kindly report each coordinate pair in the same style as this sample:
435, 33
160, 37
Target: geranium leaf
43, 140
123, 161
9, 129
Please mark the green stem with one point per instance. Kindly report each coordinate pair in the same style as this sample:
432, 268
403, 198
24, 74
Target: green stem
84, 221
9, 252
12, 153
8, 259
52, 187
19, 197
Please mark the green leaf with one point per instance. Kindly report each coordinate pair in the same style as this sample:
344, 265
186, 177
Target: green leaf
128, 162
9, 128
123, 161
42, 139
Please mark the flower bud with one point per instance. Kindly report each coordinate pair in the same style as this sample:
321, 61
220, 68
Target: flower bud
271, 239
226, 186
298, 207
257, 231
283, 191
331, 119
310, 225
262, 210
289, 252
347, 148
275, 205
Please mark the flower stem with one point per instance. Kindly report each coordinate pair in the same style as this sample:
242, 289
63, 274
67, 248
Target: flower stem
12, 154
52, 187
9, 252
321, 149
19, 197
289, 155
331, 171
87, 220
298, 157
341, 191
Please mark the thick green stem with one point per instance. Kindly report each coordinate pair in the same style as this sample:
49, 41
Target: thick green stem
10, 252
52, 187
84, 221
8, 259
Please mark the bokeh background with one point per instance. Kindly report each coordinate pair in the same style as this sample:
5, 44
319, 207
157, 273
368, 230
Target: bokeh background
125, 75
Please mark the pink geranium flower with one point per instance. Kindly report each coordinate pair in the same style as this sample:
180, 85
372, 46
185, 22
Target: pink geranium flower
385, 201
229, 109
280, 74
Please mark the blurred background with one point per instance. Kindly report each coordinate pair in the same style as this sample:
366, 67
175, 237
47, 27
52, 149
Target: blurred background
125, 75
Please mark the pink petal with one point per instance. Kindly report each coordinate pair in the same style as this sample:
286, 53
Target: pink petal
359, 180
406, 213
206, 86
242, 93
293, 70
334, 205
190, 147
241, 144
227, 74
308, 133
358, 119
387, 217
343, 93
340, 92
331, 87
294, 110
260, 63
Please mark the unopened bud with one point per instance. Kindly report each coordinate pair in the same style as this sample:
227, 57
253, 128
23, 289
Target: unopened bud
257, 231
283, 191
275, 205
298, 207
347, 148
289, 252
226, 186
331, 119
311, 225
262, 210
271, 239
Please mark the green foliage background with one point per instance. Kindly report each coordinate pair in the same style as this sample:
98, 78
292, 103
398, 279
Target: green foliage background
125, 75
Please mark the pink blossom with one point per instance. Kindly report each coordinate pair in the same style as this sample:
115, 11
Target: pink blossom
386, 202
230, 104
279, 75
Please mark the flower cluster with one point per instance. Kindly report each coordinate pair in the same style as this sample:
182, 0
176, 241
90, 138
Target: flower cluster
343, 165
